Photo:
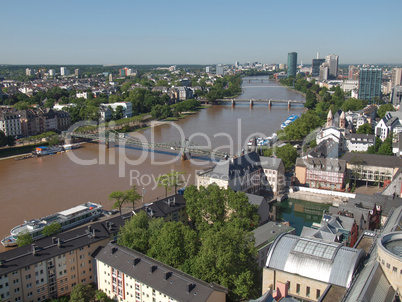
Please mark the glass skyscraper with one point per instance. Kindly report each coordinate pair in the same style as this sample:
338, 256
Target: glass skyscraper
370, 83
292, 64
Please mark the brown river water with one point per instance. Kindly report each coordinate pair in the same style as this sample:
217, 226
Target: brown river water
36, 187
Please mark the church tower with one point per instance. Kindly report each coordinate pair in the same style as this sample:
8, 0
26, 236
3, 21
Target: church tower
330, 118
342, 120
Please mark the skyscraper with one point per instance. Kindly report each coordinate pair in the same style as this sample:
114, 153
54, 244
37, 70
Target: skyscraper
292, 63
332, 61
370, 83
396, 77
220, 70
315, 67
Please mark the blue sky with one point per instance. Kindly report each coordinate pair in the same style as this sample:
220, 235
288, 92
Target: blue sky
198, 32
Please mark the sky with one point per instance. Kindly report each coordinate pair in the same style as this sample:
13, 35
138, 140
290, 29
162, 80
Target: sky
198, 32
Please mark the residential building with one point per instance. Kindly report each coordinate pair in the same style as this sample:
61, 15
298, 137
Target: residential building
332, 61
219, 70
10, 123
396, 95
359, 142
265, 235
321, 173
327, 148
63, 120
370, 84
77, 72
64, 71
243, 173
184, 93
128, 275
292, 64
171, 208
309, 268
28, 72
372, 168
127, 108
263, 208
324, 72
353, 72
315, 67
274, 171
52, 72
207, 69
333, 228
82, 95
51, 267
105, 113
396, 77
386, 125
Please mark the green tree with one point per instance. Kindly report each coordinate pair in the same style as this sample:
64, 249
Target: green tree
133, 196
384, 108
165, 181
51, 229
101, 296
174, 244
365, 129
118, 113
120, 198
24, 238
287, 153
175, 180
311, 100
353, 104
53, 140
82, 293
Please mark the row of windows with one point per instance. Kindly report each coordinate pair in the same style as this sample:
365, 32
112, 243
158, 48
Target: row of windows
308, 291
394, 268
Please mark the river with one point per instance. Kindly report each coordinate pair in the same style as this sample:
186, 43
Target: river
36, 187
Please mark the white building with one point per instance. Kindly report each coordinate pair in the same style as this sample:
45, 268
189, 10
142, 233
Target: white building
52, 72
81, 95
10, 124
386, 125
64, 71
127, 108
28, 72
128, 275
359, 142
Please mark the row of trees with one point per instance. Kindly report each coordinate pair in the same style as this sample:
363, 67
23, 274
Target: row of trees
226, 86
6, 140
219, 247
287, 153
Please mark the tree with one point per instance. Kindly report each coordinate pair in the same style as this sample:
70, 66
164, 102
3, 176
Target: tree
10, 140
175, 180
118, 113
24, 238
101, 296
353, 104
82, 293
365, 129
51, 229
134, 234
120, 198
133, 196
53, 140
287, 153
384, 108
311, 100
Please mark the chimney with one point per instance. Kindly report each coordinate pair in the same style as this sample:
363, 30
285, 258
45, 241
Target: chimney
53, 240
114, 250
167, 275
153, 268
93, 233
136, 261
58, 242
89, 229
190, 287
33, 249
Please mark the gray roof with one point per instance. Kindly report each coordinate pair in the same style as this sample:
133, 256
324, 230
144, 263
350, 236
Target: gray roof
46, 249
324, 148
322, 164
235, 167
163, 207
271, 163
153, 273
373, 159
262, 204
364, 138
327, 262
267, 233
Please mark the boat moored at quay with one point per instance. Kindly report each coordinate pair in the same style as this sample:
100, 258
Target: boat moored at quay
67, 219
289, 120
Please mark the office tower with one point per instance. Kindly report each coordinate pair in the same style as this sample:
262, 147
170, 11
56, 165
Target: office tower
315, 67
110, 77
28, 72
237, 64
332, 61
219, 69
207, 69
324, 72
292, 63
51, 72
396, 77
370, 83
77, 72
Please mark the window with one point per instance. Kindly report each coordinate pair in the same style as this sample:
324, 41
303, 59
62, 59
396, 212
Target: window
318, 294
29, 285
298, 288
308, 291
388, 265
394, 269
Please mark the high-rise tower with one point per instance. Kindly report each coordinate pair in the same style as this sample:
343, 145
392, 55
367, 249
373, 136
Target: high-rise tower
332, 61
292, 64
370, 83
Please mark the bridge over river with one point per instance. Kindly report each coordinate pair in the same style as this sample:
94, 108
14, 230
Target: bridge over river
186, 148
269, 102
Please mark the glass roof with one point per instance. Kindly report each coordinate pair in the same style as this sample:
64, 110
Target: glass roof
317, 249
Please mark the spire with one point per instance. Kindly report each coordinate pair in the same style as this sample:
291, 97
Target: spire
342, 120
329, 118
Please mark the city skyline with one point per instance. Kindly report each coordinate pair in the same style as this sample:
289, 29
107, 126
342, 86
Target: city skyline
127, 33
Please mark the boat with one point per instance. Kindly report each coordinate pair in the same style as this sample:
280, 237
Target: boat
289, 120
71, 146
67, 219
40, 151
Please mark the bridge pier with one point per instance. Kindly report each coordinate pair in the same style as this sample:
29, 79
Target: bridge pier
251, 103
185, 156
289, 102
233, 103
269, 104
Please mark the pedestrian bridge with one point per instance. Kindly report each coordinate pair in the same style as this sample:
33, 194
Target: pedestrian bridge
185, 147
